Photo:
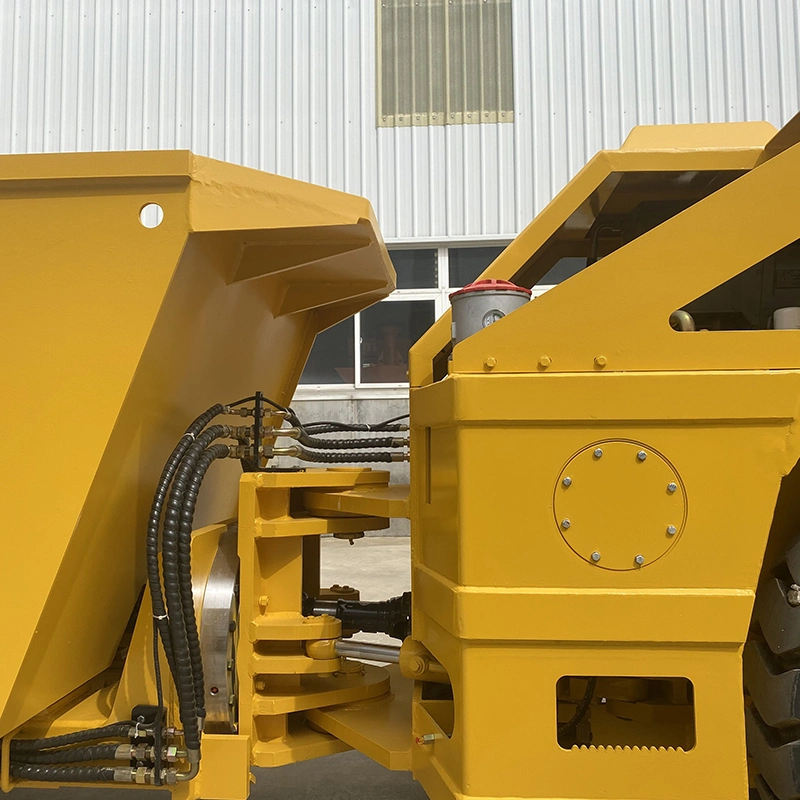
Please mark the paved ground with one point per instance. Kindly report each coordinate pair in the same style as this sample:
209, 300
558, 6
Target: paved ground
379, 567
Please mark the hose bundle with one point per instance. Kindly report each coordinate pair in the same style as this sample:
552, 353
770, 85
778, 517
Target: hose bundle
169, 579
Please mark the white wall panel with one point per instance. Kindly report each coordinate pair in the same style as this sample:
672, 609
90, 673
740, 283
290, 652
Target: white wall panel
288, 86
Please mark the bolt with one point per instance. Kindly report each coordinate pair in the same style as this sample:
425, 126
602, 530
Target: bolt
639, 560
232, 700
490, 363
600, 361
230, 665
641, 455
595, 556
672, 487
567, 481
793, 595
545, 361
565, 523
598, 453
671, 530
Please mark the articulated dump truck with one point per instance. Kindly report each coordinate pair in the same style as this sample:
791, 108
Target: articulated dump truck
604, 496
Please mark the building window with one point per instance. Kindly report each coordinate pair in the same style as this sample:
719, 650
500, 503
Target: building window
444, 62
368, 353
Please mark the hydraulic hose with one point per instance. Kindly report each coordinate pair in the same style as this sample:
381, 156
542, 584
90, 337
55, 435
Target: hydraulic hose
154, 523
182, 620
347, 458
317, 428
349, 444
34, 772
185, 566
580, 711
119, 730
73, 755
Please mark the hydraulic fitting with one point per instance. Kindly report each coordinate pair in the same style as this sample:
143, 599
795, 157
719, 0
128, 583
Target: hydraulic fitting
145, 752
145, 776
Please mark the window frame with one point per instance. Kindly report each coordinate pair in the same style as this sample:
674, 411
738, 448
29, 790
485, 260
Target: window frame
440, 294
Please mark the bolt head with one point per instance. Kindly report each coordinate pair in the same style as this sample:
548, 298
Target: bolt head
567, 481
565, 523
641, 455
490, 363
545, 361
595, 556
600, 361
671, 530
598, 453
639, 560
672, 487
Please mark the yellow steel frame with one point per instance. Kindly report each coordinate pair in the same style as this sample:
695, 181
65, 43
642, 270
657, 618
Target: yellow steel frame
501, 596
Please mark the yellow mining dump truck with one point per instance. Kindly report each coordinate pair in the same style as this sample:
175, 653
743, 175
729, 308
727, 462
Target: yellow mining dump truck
604, 504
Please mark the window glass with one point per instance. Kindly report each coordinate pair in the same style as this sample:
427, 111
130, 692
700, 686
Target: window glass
387, 332
563, 268
444, 62
466, 263
331, 359
416, 269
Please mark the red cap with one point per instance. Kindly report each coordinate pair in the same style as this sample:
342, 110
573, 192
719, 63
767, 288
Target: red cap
491, 285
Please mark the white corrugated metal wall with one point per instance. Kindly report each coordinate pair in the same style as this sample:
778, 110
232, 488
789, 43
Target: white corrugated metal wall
289, 87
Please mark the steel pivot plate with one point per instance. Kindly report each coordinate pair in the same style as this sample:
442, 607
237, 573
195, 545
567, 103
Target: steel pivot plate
619, 505
218, 633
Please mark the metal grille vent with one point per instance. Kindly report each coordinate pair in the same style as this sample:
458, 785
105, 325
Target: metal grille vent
444, 62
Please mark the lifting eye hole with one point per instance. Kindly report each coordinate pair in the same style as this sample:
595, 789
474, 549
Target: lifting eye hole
151, 215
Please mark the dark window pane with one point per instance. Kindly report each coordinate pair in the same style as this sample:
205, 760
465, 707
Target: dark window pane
416, 269
387, 332
467, 263
331, 359
563, 268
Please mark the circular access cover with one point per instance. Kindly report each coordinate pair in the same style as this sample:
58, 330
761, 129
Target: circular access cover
619, 505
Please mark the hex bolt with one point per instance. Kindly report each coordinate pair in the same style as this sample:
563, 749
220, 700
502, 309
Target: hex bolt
565, 523
793, 596
639, 560
598, 453
641, 455
567, 481
595, 556
671, 530
672, 487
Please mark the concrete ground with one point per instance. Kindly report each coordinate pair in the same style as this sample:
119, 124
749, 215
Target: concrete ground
380, 567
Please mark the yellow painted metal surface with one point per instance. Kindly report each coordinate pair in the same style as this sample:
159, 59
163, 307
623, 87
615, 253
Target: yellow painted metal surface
280, 684
506, 596
389, 501
115, 336
378, 728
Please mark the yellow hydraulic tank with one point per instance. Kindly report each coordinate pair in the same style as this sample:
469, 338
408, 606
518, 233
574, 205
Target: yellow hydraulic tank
138, 288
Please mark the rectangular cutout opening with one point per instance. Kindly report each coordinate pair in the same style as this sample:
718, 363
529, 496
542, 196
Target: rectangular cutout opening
625, 711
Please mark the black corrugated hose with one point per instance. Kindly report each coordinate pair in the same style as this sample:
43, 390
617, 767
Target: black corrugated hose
154, 524
346, 444
185, 565
119, 730
345, 458
35, 772
581, 709
71, 755
180, 618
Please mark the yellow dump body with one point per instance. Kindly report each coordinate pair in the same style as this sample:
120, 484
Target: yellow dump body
115, 336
